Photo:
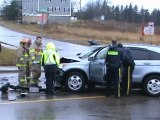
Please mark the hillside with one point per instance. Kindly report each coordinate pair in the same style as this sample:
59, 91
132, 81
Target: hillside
81, 31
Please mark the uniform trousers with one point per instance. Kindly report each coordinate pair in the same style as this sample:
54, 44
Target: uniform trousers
113, 79
50, 74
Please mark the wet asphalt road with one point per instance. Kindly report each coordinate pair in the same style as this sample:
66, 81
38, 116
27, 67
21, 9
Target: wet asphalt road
64, 105
64, 48
87, 106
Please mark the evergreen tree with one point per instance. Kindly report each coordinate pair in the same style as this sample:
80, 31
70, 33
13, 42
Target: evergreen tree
130, 14
136, 14
105, 10
88, 14
97, 9
155, 16
116, 13
146, 15
11, 12
121, 13
125, 14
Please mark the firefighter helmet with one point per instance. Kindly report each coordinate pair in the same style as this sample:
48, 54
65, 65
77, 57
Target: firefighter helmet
23, 40
29, 41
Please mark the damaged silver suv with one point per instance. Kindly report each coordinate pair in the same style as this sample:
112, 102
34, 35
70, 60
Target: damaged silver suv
79, 72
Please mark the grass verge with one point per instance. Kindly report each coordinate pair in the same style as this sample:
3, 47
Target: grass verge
7, 57
81, 31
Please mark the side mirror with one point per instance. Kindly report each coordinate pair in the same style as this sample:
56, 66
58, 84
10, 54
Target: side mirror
90, 58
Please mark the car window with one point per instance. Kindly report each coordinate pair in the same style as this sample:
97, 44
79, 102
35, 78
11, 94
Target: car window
140, 54
102, 54
88, 54
154, 56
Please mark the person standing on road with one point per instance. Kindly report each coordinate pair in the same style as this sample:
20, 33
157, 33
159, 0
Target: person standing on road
128, 67
22, 57
113, 63
50, 61
35, 60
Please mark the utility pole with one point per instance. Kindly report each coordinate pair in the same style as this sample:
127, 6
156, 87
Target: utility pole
80, 3
42, 24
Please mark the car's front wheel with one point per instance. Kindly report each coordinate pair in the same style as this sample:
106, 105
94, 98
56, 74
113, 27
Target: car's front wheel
152, 86
75, 82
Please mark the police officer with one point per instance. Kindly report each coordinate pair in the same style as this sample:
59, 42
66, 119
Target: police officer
50, 61
35, 52
113, 63
128, 67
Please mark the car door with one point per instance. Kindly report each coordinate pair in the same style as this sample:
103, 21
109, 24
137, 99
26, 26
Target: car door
97, 67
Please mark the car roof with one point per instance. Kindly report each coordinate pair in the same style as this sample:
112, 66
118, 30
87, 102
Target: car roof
154, 48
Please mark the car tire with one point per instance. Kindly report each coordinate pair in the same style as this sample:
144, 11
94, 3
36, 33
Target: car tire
152, 86
75, 82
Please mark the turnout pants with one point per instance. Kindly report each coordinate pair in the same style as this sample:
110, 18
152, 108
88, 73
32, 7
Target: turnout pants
22, 75
50, 74
113, 74
127, 80
28, 74
36, 73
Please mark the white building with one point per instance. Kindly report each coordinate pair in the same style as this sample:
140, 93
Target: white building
58, 11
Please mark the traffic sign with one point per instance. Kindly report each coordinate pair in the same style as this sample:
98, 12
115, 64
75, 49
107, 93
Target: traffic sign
43, 19
149, 30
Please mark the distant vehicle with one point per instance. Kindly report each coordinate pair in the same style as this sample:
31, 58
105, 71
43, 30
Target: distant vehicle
79, 72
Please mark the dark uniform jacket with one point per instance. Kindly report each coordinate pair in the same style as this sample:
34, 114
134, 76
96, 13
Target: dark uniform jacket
114, 56
128, 58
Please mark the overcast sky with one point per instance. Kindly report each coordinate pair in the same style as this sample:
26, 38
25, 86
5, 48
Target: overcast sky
1, 1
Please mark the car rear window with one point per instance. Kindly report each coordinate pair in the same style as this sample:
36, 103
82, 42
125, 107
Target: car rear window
140, 54
154, 56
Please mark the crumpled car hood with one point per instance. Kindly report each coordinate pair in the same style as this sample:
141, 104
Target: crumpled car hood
70, 59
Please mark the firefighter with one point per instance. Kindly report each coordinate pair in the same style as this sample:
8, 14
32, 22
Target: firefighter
22, 57
113, 63
50, 61
35, 52
128, 67
28, 75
